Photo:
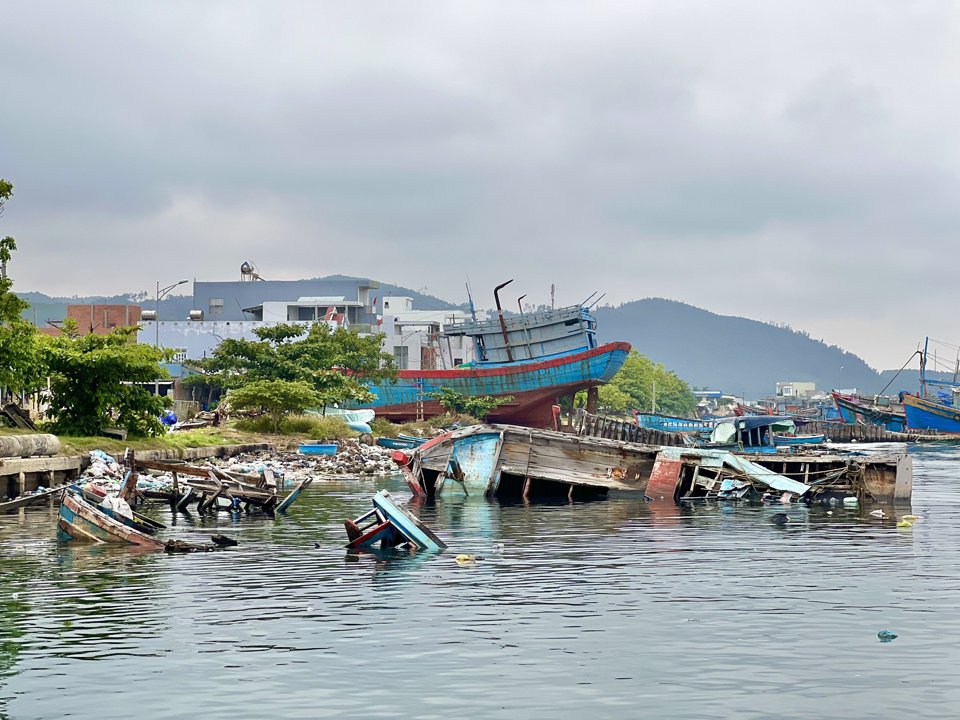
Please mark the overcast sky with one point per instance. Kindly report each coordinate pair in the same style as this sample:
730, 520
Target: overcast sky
786, 161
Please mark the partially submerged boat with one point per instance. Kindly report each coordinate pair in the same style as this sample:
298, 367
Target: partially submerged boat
390, 524
82, 521
510, 462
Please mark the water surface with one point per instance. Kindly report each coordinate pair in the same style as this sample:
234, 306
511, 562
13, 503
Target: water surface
602, 609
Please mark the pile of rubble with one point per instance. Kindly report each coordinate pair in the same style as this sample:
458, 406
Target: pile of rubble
353, 459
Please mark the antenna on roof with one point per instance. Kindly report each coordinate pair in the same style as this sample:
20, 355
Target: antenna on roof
553, 290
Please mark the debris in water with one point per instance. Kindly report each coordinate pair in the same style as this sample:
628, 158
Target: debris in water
465, 559
223, 541
904, 524
850, 501
886, 636
780, 518
877, 513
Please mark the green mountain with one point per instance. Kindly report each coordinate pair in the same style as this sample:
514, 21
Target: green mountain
733, 354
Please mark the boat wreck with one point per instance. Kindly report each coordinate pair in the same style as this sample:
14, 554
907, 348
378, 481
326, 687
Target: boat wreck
391, 525
511, 462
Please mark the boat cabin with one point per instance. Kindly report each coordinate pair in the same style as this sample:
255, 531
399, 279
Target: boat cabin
751, 433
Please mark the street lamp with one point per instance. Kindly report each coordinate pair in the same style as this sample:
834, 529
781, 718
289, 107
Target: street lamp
156, 321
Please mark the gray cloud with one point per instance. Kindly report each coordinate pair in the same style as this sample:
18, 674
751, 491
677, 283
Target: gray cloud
790, 163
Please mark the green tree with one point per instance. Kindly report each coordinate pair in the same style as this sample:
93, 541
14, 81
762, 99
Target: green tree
338, 364
276, 397
478, 407
633, 388
94, 382
20, 370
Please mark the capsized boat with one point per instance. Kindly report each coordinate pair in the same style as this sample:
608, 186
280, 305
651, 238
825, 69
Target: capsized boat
83, 521
390, 524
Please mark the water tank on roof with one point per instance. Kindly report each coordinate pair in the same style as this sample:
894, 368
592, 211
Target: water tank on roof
196, 315
148, 315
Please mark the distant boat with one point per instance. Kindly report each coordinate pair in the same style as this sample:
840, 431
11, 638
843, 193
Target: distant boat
669, 423
923, 414
400, 442
926, 413
854, 412
759, 434
798, 440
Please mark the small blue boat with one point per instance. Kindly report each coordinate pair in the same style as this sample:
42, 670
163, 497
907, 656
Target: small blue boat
319, 449
390, 524
401, 442
669, 423
798, 440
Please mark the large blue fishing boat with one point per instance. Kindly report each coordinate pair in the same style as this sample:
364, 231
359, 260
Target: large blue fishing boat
926, 413
533, 359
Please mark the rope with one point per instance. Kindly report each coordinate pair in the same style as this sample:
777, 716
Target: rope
915, 353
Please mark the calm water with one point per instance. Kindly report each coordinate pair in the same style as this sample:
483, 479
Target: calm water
603, 609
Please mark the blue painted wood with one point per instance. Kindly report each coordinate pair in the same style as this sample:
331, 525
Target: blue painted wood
476, 456
318, 449
397, 443
406, 522
669, 423
925, 414
797, 440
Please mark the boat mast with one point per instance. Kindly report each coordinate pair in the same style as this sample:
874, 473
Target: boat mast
503, 323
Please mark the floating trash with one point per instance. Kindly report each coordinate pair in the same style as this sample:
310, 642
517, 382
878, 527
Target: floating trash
780, 518
904, 524
886, 636
465, 559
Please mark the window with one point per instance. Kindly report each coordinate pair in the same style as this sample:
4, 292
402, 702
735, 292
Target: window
216, 307
402, 357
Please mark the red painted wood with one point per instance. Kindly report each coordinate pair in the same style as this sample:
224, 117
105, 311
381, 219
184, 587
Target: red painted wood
663, 480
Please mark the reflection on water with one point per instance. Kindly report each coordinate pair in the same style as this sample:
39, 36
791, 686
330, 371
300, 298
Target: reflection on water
593, 609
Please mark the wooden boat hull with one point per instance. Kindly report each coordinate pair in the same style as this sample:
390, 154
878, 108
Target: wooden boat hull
534, 386
852, 413
82, 522
925, 414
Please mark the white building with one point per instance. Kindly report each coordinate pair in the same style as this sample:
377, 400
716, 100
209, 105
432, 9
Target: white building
415, 337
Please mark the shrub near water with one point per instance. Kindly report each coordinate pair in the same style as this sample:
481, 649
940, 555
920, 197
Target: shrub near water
309, 425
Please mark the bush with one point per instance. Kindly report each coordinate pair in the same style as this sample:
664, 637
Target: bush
331, 428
